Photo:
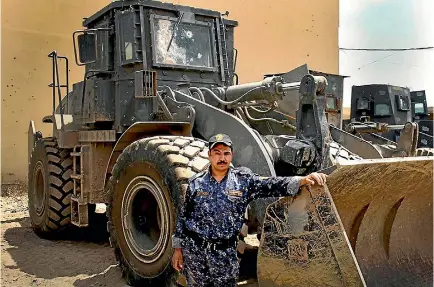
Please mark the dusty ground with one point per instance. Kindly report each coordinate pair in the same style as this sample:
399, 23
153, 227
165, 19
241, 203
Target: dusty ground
84, 259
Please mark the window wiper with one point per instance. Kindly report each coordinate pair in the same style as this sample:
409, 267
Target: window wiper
174, 30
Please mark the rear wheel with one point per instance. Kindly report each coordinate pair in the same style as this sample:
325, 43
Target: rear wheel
145, 191
49, 187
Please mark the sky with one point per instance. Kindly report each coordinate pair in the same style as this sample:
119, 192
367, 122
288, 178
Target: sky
387, 24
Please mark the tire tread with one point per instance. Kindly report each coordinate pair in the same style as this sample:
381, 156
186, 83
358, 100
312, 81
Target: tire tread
176, 169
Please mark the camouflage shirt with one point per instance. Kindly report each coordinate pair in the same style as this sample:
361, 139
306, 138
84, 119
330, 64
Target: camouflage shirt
218, 207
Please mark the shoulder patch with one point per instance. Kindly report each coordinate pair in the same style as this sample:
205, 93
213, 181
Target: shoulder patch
243, 170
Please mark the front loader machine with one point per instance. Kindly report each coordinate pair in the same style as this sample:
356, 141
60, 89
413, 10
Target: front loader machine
420, 114
158, 83
379, 113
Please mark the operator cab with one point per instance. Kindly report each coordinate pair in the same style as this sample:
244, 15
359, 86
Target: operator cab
131, 51
419, 106
179, 42
381, 104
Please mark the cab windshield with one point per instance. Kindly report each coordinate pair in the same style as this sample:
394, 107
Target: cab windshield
331, 103
419, 108
362, 104
382, 110
182, 44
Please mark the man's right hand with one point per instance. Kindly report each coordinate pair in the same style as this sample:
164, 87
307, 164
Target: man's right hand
177, 260
314, 178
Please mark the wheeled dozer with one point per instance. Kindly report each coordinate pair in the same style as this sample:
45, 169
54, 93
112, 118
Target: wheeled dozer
421, 115
159, 80
385, 115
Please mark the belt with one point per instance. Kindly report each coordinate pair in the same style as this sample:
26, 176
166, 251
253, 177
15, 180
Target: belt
212, 244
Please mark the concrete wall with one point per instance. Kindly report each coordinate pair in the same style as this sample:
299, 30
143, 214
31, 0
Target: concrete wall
273, 36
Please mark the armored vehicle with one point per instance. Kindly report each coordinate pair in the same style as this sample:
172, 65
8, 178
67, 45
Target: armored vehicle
380, 112
421, 115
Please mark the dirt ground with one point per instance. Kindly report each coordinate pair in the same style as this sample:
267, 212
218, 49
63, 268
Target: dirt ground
82, 259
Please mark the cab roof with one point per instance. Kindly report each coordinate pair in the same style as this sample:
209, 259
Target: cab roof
153, 4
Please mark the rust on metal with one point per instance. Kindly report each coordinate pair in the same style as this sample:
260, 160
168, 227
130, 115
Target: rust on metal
372, 223
96, 165
386, 208
407, 142
67, 139
97, 136
304, 244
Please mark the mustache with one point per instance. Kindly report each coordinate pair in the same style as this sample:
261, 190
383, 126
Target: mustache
221, 161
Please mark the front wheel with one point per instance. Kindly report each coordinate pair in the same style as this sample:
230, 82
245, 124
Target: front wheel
145, 192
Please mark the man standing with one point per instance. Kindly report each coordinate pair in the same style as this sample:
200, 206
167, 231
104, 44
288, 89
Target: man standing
205, 239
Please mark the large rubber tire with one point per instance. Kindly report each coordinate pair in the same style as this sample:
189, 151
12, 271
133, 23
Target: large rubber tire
49, 187
154, 173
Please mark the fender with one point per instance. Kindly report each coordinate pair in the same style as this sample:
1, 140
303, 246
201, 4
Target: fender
249, 148
141, 130
32, 137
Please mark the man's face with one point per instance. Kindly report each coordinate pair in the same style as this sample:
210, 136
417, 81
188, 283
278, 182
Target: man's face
220, 157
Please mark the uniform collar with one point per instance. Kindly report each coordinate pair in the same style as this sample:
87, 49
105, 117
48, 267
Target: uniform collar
209, 176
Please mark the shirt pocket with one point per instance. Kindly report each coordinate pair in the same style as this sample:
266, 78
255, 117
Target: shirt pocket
201, 196
234, 196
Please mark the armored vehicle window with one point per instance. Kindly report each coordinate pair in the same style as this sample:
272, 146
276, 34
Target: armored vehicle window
403, 102
128, 45
331, 103
128, 50
190, 45
419, 108
382, 110
362, 104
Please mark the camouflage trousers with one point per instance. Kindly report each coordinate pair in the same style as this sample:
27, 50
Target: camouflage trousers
204, 267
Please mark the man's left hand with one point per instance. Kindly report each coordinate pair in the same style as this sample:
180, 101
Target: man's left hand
314, 178
177, 259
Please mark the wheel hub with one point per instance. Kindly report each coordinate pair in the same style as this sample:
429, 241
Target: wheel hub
39, 188
145, 219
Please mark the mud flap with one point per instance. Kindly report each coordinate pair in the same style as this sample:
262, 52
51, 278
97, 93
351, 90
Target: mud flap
303, 243
378, 210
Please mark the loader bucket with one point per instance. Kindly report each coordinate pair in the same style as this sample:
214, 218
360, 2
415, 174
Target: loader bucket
378, 210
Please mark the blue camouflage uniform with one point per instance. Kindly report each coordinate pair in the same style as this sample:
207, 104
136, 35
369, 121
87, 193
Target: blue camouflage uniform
215, 215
